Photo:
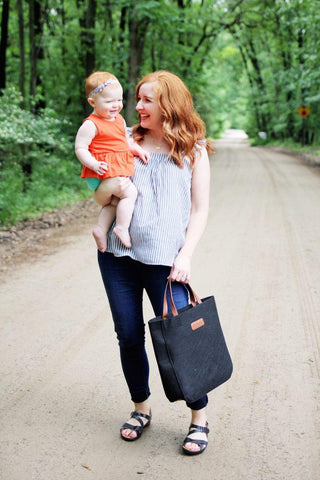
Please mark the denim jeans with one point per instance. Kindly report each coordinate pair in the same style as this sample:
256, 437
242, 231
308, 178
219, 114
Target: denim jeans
125, 280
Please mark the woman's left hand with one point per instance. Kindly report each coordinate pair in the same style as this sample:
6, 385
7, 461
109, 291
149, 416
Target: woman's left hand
181, 269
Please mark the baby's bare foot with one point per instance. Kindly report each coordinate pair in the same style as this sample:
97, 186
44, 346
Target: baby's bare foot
123, 235
100, 237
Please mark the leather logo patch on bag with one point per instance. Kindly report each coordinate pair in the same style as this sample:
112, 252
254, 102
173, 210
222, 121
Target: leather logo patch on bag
197, 324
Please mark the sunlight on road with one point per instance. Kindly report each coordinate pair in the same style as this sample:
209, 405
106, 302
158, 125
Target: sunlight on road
236, 134
234, 137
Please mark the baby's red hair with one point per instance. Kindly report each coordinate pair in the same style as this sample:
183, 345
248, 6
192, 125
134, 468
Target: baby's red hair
96, 79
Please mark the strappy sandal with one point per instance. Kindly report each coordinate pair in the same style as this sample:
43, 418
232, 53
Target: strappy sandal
202, 443
136, 428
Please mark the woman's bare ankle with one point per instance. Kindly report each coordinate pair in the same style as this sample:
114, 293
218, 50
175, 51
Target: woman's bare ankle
142, 407
199, 417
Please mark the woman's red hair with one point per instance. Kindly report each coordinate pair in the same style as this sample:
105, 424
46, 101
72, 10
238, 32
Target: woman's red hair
183, 129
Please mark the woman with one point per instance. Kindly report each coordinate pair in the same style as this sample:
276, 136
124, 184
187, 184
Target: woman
169, 218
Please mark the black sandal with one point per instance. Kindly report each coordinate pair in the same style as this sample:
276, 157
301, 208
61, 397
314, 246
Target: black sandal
136, 428
202, 443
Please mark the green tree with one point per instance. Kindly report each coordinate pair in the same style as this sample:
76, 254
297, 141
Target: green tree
4, 42
248, 63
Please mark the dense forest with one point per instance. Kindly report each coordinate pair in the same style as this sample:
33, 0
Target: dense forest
251, 64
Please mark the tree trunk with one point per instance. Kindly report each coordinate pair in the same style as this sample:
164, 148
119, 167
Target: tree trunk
251, 53
255, 106
121, 43
4, 42
90, 37
22, 69
32, 53
62, 13
285, 53
137, 34
303, 134
36, 51
87, 24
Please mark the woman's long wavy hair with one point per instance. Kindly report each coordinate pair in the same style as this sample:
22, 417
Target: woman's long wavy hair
183, 129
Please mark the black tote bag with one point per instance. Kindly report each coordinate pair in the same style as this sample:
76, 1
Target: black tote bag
190, 348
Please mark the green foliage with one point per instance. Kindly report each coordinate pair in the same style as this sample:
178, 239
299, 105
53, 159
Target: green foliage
11, 196
248, 64
281, 58
220, 90
36, 159
20, 129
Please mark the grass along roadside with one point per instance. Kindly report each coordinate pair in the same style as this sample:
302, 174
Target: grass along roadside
307, 153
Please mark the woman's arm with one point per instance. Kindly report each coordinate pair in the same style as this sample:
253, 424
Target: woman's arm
85, 135
200, 189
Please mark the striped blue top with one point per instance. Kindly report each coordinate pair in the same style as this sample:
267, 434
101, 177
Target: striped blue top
161, 213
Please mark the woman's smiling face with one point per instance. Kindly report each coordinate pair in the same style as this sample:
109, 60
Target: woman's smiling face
148, 107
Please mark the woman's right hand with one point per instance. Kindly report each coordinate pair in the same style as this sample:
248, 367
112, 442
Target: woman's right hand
181, 269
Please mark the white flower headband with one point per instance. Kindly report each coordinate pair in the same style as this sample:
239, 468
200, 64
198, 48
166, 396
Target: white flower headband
99, 88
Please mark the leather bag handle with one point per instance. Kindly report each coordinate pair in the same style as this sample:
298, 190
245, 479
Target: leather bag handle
194, 299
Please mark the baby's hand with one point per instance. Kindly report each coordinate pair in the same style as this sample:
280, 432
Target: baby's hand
101, 168
140, 152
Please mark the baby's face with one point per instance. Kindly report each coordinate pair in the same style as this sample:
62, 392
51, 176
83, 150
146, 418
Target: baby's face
108, 103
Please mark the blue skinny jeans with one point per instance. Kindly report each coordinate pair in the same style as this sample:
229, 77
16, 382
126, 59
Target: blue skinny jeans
124, 281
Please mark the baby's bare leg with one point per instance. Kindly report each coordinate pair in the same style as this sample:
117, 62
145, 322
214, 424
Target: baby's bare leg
105, 220
107, 188
104, 196
124, 214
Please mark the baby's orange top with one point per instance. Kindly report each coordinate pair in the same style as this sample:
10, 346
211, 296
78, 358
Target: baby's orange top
110, 145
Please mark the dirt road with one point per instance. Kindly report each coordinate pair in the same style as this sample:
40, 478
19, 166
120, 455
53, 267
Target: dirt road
63, 398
